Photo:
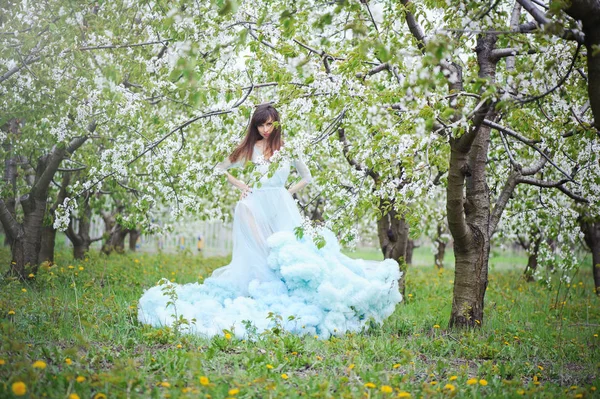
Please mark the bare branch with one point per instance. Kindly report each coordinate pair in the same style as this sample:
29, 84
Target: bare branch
119, 46
530, 143
560, 82
352, 161
558, 184
510, 132
536, 167
514, 26
510, 52
414, 26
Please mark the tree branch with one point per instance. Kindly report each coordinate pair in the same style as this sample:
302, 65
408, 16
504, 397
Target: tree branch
558, 184
414, 26
352, 161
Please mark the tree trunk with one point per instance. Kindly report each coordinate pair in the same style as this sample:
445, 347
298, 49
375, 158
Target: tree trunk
393, 239
439, 255
591, 232
116, 240
532, 260
26, 246
81, 237
47, 246
410, 248
588, 11
440, 245
134, 234
27, 236
468, 204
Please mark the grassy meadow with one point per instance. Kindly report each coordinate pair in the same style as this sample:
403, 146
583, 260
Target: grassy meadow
71, 331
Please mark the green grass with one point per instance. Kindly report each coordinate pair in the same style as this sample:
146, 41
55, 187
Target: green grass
533, 341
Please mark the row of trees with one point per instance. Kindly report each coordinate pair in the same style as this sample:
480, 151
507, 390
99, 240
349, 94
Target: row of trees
477, 117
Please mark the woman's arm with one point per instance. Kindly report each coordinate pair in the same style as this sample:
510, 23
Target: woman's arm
304, 173
224, 166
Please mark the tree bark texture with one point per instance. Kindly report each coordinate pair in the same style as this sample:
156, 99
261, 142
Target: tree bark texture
588, 12
393, 240
134, 234
591, 232
27, 236
468, 205
532, 260
114, 233
47, 247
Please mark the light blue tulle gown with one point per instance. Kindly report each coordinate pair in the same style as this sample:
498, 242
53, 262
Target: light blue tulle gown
326, 292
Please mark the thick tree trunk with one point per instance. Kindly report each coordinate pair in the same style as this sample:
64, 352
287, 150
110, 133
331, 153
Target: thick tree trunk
468, 204
80, 238
588, 11
115, 234
47, 246
591, 231
27, 236
26, 246
134, 234
393, 239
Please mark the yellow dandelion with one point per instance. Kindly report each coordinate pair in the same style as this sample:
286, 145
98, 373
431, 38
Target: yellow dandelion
80, 378
269, 366
541, 368
284, 376
472, 381
19, 388
71, 267
316, 336
73, 396
294, 353
433, 382
452, 378
386, 389
351, 366
483, 382
410, 295
319, 358
99, 395
579, 395
11, 312
227, 336
24, 289
204, 381
520, 392
403, 394
31, 275
436, 326
233, 391
165, 384
186, 389
81, 268
449, 387
68, 361
395, 366
179, 346
370, 385
2, 362
39, 364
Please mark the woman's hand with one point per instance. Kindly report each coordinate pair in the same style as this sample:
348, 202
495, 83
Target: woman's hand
245, 191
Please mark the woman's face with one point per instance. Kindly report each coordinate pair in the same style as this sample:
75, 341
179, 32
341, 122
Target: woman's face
266, 128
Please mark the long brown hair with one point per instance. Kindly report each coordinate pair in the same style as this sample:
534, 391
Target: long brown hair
263, 113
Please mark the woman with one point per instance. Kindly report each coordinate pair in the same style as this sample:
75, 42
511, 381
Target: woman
316, 291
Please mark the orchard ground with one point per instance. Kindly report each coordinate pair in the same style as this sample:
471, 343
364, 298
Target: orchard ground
71, 331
